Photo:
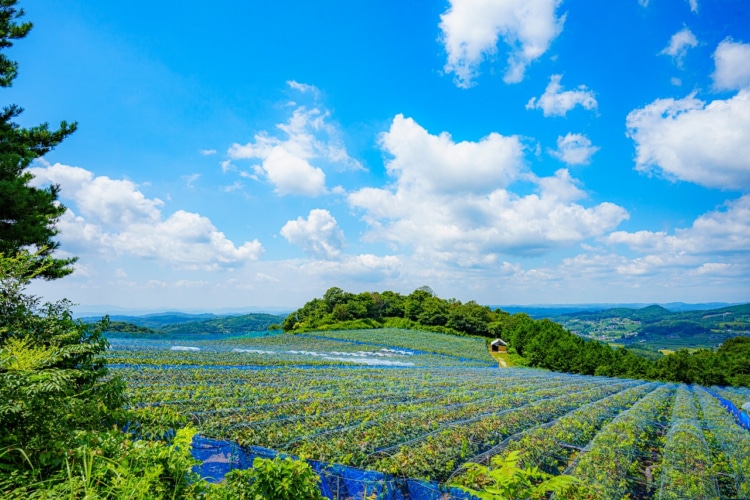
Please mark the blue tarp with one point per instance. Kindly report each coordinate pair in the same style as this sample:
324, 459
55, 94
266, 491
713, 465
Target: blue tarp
743, 420
337, 482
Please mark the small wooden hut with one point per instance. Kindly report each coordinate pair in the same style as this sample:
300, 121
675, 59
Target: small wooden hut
498, 345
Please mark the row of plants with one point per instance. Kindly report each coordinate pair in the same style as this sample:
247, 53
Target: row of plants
218, 389
287, 350
730, 447
438, 455
363, 445
619, 461
686, 468
551, 447
451, 345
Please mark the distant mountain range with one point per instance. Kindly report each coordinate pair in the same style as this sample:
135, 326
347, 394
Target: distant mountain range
551, 310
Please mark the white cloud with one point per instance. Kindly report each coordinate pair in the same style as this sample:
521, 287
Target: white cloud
359, 268
715, 246
693, 4
318, 235
117, 219
435, 163
471, 29
722, 231
304, 87
450, 201
190, 180
287, 158
292, 174
235, 186
679, 45
732, 60
207, 152
191, 283
115, 203
574, 149
555, 102
687, 139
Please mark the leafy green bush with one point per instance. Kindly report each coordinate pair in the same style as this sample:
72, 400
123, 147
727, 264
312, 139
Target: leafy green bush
53, 378
277, 479
505, 479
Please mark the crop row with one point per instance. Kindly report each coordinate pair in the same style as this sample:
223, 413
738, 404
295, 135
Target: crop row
686, 470
552, 446
619, 460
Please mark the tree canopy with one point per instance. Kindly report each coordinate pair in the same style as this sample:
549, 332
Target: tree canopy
28, 214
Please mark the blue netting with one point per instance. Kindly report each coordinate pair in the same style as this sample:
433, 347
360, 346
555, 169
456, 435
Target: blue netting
743, 420
337, 482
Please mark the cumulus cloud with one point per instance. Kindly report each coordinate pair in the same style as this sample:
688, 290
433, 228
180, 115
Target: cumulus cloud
687, 139
287, 157
732, 60
471, 29
679, 45
556, 102
574, 149
115, 218
715, 245
319, 235
722, 231
461, 210
436, 163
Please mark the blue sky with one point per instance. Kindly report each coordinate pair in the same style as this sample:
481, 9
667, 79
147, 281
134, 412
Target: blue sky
254, 154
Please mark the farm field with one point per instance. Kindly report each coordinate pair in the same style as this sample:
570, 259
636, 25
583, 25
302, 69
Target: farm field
421, 405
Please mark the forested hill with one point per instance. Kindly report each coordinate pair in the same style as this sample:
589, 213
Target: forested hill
539, 343
655, 313
655, 325
188, 324
255, 322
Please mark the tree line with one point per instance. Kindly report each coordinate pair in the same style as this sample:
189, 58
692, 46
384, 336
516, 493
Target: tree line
539, 343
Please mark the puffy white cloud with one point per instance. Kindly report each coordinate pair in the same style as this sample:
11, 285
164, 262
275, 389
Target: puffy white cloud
687, 139
461, 209
722, 231
306, 137
318, 235
118, 219
679, 45
556, 102
732, 60
471, 29
102, 200
292, 174
574, 149
436, 163
715, 247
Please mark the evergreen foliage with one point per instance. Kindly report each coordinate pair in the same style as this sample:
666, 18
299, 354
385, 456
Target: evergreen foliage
27, 214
